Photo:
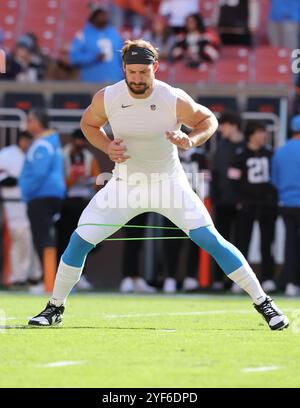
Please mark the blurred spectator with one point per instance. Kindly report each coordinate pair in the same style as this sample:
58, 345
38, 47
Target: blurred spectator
81, 171
197, 44
61, 68
284, 20
132, 281
1, 37
132, 14
20, 66
195, 164
176, 12
237, 21
161, 37
96, 49
2, 62
38, 57
223, 194
25, 265
250, 172
42, 182
296, 101
286, 179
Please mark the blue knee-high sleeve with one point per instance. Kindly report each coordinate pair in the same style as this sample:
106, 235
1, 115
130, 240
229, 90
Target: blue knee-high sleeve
227, 256
76, 251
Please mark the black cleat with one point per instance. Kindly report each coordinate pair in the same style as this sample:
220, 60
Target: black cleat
273, 316
50, 316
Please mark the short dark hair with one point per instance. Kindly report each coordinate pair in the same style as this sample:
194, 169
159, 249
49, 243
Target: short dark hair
42, 116
253, 127
232, 118
23, 135
78, 134
94, 10
198, 20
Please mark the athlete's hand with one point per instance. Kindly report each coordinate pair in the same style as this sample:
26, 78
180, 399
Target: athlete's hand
180, 139
116, 151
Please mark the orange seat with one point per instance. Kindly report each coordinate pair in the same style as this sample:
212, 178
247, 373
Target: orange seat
184, 74
267, 52
231, 72
41, 8
47, 29
75, 17
70, 29
235, 53
68, 34
9, 21
163, 72
273, 74
76, 7
9, 6
272, 65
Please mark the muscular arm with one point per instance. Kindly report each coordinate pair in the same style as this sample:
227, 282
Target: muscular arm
92, 122
197, 117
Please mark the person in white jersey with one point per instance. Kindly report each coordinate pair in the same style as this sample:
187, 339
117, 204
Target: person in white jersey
146, 116
25, 267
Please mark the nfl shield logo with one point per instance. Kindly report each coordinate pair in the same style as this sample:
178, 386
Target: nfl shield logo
153, 107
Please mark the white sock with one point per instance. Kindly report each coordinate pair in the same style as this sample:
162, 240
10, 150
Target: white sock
247, 280
66, 278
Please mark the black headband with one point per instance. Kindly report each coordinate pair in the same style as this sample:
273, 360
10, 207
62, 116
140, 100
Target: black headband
139, 55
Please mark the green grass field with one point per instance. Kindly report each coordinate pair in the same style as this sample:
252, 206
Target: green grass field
109, 340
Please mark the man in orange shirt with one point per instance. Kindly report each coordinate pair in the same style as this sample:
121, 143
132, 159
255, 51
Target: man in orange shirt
133, 13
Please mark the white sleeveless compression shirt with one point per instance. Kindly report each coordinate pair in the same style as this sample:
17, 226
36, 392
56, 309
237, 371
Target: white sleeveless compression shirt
142, 124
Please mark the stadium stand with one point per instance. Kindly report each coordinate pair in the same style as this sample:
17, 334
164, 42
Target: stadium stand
265, 105
56, 22
272, 65
67, 102
231, 72
75, 14
164, 70
184, 74
219, 104
45, 22
235, 53
70, 101
9, 18
23, 101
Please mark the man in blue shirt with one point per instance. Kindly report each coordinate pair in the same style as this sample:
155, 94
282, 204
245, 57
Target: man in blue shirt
96, 49
286, 178
284, 20
42, 180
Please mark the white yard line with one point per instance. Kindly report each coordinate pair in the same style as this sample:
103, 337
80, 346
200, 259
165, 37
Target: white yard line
259, 369
136, 315
166, 330
200, 313
62, 364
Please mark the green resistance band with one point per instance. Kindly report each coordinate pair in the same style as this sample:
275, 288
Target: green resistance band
136, 226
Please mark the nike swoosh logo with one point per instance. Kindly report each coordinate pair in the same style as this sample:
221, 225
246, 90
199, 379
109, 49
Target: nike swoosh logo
125, 106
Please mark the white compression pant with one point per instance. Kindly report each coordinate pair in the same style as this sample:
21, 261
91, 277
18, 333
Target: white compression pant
118, 202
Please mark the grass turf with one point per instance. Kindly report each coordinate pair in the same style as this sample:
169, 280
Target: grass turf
148, 341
